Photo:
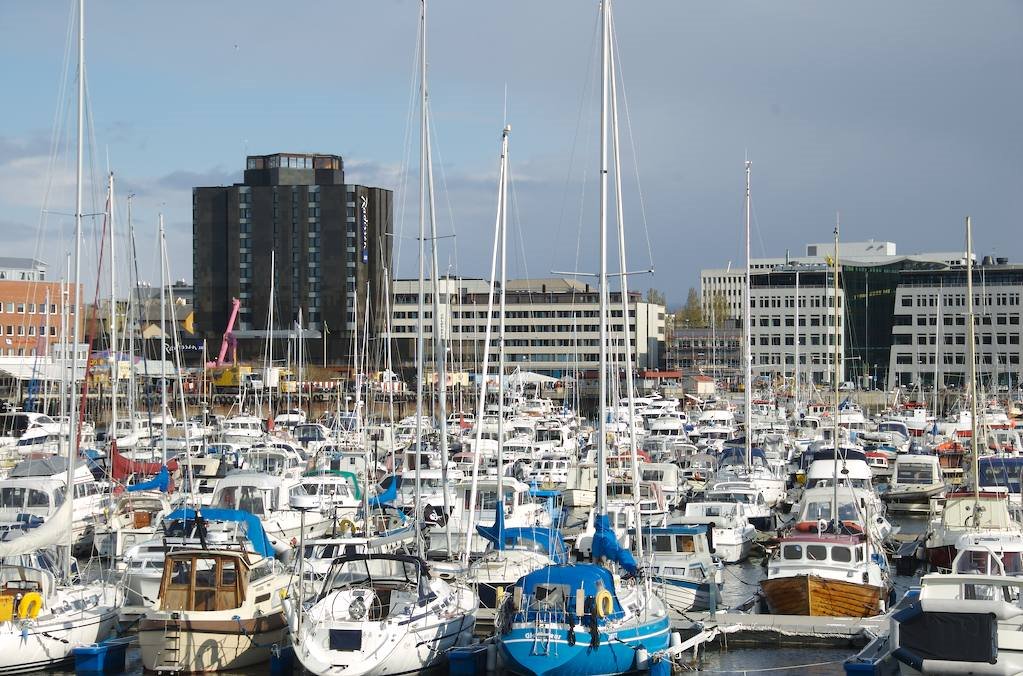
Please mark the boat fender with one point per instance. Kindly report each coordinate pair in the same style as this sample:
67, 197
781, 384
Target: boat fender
603, 603
30, 605
571, 630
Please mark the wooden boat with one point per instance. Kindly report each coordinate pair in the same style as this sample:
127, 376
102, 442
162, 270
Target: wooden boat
826, 575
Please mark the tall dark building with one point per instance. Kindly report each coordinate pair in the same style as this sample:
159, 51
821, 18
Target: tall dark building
325, 241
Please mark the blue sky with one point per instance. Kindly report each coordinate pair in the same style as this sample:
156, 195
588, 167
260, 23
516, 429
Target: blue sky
903, 116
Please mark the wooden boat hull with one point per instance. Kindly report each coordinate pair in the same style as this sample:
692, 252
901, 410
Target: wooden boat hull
821, 597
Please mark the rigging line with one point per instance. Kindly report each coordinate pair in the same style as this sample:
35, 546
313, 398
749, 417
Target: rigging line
620, 85
434, 147
59, 119
584, 97
405, 168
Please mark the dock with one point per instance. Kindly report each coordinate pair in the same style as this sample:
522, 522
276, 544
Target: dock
753, 630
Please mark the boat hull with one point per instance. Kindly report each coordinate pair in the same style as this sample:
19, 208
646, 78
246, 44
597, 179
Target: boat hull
48, 643
821, 597
193, 646
546, 650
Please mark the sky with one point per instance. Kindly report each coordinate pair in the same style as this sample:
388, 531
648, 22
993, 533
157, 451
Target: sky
902, 117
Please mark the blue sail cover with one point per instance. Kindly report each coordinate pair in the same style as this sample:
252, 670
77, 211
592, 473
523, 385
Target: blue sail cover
253, 526
495, 533
389, 494
605, 544
160, 482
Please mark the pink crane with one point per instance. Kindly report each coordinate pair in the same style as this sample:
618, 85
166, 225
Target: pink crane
229, 341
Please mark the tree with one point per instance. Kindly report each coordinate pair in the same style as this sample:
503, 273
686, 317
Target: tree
692, 311
719, 309
655, 297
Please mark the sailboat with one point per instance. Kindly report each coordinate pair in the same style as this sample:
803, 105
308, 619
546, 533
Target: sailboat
45, 613
749, 467
585, 618
385, 613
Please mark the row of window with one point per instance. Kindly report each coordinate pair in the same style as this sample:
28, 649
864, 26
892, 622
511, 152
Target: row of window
959, 300
30, 308
948, 359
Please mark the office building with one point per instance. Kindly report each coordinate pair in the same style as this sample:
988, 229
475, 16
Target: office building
295, 232
726, 284
929, 333
551, 325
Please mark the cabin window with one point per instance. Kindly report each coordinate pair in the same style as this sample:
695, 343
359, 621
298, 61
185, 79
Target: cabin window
662, 543
841, 554
910, 474
816, 552
792, 552
247, 498
685, 544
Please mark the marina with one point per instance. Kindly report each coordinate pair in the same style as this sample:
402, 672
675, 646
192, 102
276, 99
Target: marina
302, 463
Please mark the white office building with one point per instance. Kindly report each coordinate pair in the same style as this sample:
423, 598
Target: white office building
551, 325
729, 281
929, 332
778, 307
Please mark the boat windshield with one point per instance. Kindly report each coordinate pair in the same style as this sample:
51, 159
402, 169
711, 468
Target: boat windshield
816, 511
373, 572
18, 497
247, 498
915, 474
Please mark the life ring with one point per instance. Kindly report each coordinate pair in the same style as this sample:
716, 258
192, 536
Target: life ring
604, 603
347, 524
852, 526
31, 604
806, 526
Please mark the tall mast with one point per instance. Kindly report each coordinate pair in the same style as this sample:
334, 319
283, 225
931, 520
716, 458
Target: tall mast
485, 364
163, 350
796, 345
114, 365
76, 289
747, 339
440, 343
422, 255
626, 333
600, 508
836, 377
970, 338
501, 389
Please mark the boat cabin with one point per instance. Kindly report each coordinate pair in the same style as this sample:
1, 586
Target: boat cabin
205, 581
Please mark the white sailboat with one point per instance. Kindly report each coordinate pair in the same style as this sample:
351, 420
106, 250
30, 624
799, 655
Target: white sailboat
45, 613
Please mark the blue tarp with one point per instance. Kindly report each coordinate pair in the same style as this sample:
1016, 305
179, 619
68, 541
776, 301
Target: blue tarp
389, 494
588, 576
160, 482
605, 544
253, 526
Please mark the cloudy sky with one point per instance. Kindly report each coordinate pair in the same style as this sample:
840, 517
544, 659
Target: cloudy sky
903, 116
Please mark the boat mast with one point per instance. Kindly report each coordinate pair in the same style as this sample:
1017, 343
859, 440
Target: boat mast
795, 406
76, 290
836, 377
114, 366
620, 217
163, 351
971, 337
600, 507
440, 343
485, 364
422, 256
747, 332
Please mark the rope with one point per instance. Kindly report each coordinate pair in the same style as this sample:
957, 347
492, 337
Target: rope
766, 669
